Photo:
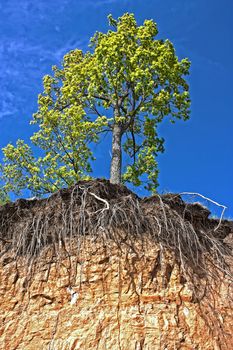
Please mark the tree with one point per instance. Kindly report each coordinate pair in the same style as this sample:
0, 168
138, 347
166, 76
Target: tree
127, 84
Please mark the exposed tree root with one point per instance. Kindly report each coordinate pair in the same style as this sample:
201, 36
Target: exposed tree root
108, 212
49, 230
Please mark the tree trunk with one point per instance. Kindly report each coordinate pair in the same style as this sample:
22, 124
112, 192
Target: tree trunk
115, 176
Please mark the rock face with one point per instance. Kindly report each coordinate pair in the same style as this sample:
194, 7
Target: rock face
97, 292
110, 299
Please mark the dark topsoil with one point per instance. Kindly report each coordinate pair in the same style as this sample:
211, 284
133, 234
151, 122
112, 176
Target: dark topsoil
28, 225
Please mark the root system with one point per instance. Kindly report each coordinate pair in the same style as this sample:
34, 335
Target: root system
110, 212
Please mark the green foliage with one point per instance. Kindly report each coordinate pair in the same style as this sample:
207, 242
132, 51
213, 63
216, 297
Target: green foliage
129, 78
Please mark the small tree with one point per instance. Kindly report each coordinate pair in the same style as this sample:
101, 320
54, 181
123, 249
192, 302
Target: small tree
126, 85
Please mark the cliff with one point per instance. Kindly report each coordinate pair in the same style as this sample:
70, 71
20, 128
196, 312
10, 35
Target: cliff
96, 267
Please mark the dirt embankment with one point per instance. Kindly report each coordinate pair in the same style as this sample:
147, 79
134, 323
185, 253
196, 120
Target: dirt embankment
97, 267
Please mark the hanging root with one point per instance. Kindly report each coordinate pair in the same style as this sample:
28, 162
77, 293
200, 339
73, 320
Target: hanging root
195, 194
103, 211
186, 231
64, 225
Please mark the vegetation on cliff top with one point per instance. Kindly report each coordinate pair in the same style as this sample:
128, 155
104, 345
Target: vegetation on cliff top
126, 84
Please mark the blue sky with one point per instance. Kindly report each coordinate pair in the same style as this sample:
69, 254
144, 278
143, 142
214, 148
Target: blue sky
34, 35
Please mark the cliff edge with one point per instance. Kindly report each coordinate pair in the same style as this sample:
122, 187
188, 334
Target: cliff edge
97, 267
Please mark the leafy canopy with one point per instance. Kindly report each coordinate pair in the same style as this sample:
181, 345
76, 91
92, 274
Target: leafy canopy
128, 78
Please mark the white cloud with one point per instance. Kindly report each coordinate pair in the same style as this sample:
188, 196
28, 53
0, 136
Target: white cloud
34, 35
22, 66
